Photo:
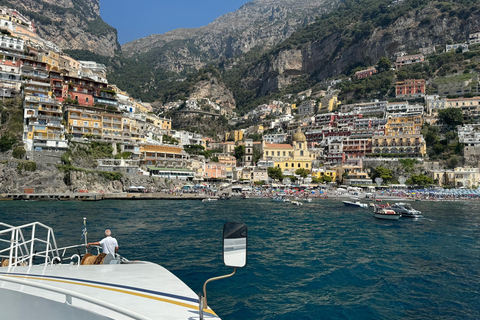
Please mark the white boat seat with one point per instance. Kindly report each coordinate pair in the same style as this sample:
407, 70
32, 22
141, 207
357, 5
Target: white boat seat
108, 258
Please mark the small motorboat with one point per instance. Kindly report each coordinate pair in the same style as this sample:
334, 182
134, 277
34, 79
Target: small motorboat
406, 210
296, 203
355, 204
385, 212
307, 199
208, 199
279, 199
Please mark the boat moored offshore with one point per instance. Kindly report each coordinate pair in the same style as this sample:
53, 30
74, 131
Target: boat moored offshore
406, 210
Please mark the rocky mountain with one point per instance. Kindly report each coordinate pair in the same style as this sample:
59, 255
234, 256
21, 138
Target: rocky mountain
71, 24
257, 24
357, 34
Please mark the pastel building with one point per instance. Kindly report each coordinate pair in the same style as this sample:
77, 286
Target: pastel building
411, 88
215, 170
289, 157
43, 128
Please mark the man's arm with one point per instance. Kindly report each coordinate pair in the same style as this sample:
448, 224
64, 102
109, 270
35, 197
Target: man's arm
116, 249
93, 244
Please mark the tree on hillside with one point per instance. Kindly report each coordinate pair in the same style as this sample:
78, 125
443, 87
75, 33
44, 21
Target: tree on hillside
275, 173
419, 180
239, 152
302, 172
384, 173
383, 64
451, 116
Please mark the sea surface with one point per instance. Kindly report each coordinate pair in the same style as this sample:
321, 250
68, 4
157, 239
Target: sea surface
318, 261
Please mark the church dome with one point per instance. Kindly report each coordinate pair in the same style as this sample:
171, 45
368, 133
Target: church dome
299, 136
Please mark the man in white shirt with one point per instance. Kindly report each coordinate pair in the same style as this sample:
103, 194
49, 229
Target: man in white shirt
109, 244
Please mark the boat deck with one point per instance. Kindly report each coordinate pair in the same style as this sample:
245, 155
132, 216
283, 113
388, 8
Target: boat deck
137, 290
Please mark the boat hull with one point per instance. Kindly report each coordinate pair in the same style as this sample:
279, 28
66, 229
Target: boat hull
386, 216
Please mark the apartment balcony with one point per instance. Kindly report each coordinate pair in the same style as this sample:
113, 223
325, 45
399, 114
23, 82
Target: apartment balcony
35, 89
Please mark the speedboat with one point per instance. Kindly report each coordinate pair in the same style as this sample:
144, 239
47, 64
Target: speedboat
40, 280
406, 210
297, 203
355, 204
384, 212
209, 199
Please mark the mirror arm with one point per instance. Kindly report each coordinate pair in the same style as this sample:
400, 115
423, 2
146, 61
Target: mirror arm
203, 300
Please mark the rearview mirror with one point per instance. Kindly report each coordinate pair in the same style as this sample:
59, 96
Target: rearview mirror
235, 244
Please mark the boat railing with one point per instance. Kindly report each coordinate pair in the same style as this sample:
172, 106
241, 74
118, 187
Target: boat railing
69, 295
22, 244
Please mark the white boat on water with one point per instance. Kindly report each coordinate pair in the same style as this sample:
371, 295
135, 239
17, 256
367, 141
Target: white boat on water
39, 280
307, 199
385, 212
296, 203
355, 204
208, 200
406, 210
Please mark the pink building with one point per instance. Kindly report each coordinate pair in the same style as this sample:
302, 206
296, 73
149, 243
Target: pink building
365, 73
215, 170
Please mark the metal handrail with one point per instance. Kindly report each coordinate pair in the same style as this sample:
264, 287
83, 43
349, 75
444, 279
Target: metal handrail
22, 250
72, 294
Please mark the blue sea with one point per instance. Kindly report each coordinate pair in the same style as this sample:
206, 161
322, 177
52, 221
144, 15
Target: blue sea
318, 261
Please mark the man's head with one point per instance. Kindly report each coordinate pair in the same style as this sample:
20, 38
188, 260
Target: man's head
108, 233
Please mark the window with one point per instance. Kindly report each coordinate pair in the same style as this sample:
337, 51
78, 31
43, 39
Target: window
299, 165
306, 165
278, 153
284, 153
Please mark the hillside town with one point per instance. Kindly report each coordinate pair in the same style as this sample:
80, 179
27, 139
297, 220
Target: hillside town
320, 139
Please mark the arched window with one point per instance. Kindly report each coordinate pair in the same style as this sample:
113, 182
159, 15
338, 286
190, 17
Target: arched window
299, 165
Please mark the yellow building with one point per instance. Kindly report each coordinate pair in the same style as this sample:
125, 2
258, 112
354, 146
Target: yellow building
234, 136
52, 59
43, 128
172, 157
458, 177
227, 160
329, 103
409, 145
142, 106
69, 64
324, 173
289, 158
403, 125
352, 175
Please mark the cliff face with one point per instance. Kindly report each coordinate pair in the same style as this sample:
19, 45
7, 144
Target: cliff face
71, 24
257, 24
329, 56
214, 90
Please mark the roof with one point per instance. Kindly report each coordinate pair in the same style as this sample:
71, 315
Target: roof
277, 146
167, 169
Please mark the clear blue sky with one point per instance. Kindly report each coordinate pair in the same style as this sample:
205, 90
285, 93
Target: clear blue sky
140, 18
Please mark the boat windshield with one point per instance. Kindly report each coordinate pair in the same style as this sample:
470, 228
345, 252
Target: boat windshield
407, 206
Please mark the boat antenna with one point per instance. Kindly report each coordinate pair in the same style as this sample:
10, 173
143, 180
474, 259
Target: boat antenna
84, 233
